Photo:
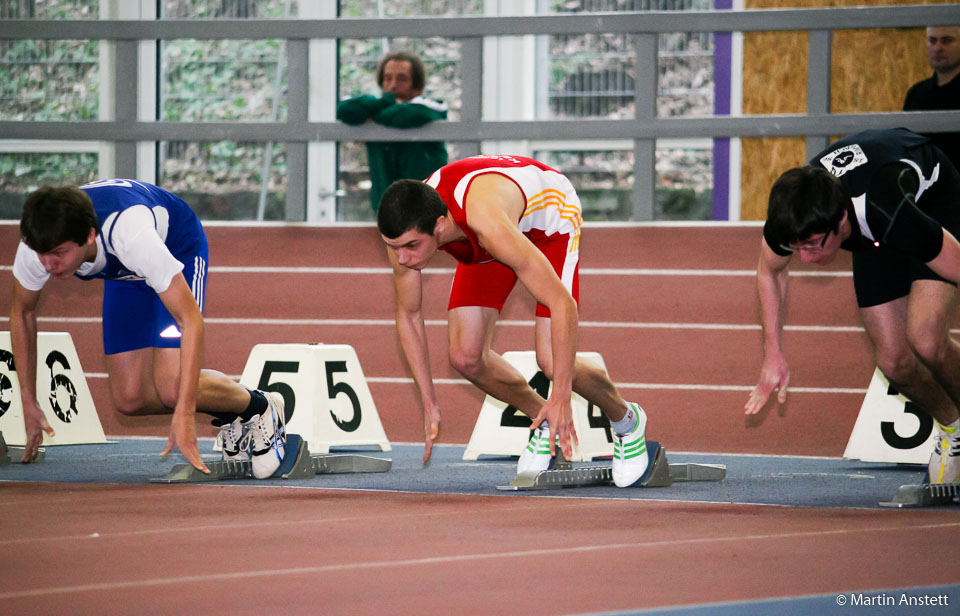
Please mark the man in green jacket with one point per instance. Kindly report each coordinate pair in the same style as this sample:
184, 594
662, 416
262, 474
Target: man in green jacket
401, 76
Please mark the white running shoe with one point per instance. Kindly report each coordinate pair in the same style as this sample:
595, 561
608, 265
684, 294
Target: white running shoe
535, 457
630, 458
267, 437
231, 435
944, 464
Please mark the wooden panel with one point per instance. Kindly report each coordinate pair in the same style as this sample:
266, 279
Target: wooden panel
871, 71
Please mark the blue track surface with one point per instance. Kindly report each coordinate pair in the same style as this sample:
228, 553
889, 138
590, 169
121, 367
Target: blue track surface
766, 480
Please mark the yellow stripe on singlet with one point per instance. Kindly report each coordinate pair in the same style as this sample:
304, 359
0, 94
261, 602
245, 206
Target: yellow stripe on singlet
552, 197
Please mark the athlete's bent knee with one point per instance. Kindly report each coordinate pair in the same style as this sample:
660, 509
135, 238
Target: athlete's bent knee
899, 368
130, 403
932, 349
467, 363
168, 397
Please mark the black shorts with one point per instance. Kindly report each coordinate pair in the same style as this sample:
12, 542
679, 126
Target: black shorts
880, 274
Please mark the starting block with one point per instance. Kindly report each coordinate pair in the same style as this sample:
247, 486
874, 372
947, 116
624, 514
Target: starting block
298, 463
13, 455
326, 396
924, 495
660, 473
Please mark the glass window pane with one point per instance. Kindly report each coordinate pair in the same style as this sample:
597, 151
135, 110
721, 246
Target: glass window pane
47, 80
604, 180
221, 180
684, 182
23, 172
359, 59
409, 8
224, 81
227, 9
685, 64
49, 9
592, 75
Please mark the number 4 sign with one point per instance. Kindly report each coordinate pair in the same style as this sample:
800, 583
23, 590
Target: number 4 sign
326, 398
503, 430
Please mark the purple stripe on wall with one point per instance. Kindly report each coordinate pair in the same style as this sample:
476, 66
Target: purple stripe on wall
721, 106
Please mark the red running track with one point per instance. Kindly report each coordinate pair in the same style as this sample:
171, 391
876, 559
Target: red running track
680, 342
111, 549
672, 309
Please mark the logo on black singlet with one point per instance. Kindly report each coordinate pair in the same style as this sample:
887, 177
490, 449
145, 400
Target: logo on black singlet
843, 160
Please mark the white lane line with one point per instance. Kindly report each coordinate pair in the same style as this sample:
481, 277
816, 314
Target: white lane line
312, 521
504, 323
586, 271
456, 558
446, 271
399, 380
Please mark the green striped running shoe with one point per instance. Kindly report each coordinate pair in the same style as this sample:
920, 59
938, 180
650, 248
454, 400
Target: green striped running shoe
535, 457
630, 458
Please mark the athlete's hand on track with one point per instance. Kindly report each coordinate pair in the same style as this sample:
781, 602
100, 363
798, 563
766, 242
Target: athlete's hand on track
559, 415
35, 424
774, 375
431, 429
183, 434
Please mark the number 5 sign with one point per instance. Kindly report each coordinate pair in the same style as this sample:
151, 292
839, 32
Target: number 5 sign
326, 398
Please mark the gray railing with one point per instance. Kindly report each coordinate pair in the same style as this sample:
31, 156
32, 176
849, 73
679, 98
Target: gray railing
816, 125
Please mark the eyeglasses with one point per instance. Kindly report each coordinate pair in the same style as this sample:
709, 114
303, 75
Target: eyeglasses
812, 246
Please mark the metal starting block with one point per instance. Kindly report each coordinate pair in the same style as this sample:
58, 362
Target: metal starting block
659, 473
14, 455
298, 463
924, 495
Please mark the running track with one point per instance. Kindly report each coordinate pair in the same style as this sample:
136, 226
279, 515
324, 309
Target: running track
672, 309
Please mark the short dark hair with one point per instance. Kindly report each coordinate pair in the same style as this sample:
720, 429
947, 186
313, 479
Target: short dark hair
409, 204
417, 72
805, 201
53, 215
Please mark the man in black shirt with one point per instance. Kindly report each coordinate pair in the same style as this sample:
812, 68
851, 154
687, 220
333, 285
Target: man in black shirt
942, 90
893, 199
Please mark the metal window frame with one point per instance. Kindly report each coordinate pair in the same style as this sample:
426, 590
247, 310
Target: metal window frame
644, 129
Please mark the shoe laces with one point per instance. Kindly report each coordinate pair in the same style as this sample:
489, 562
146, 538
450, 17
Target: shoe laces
542, 432
255, 437
952, 439
229, 434
244, 443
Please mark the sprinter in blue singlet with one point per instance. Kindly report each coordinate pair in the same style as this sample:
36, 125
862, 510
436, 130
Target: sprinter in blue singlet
150, 248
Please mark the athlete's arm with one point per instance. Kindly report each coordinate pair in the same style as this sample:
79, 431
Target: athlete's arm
494, 204
772, 291
179, 301
413, 340
23, 337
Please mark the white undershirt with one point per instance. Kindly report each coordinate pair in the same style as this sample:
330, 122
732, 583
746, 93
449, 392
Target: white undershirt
136, 242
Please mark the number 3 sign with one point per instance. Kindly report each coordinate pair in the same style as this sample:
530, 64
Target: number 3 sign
326, 398
890, 428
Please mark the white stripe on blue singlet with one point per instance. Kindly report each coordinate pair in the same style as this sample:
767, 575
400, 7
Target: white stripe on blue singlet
199, 271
